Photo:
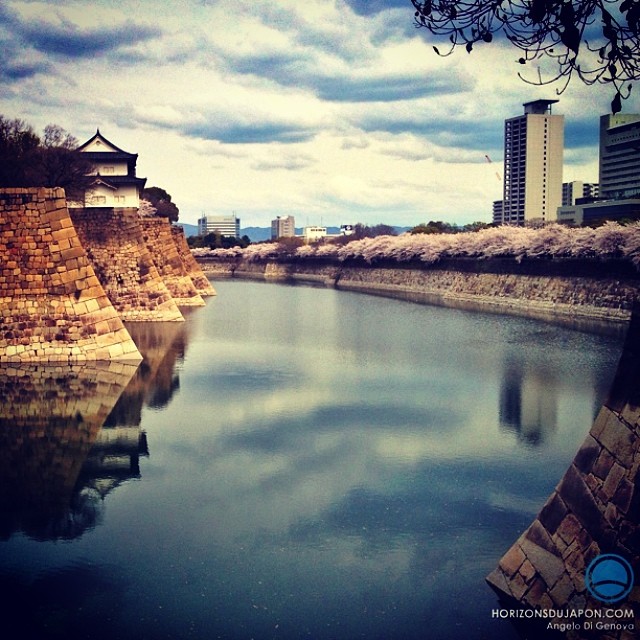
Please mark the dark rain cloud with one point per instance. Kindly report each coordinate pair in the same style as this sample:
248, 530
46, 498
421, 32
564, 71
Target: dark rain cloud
12, 69
250, 133
440, 130
68, 41
382, 89
295, 71
372, 7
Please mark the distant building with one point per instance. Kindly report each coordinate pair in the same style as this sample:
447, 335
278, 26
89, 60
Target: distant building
224, 225
498, 211
313, 234
115, 183
619, 164
587, 212
576, 190
283, 227
533, 153
619, 156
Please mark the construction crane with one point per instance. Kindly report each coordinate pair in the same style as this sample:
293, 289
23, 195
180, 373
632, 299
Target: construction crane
488, 159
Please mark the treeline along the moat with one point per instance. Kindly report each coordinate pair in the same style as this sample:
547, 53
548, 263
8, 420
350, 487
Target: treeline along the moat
553, 271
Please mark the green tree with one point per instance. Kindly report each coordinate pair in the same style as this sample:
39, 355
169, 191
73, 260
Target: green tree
596, 40
365, 231
161, 200
436, 226
476, 226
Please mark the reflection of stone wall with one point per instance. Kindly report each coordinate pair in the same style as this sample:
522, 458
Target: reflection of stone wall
200, 281
54, 309
126, 269
49, 418
157, 235
594, 509
156, 380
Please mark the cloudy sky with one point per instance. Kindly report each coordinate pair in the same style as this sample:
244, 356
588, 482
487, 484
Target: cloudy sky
334, 111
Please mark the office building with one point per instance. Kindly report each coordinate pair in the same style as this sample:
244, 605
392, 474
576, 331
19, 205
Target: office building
283, 227
533, 154
578, 190
314, 234
224, 225
619, 164
619, 156
498, 212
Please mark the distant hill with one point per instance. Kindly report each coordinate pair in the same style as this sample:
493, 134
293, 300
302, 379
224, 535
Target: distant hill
189, 229
256, 234
260, 234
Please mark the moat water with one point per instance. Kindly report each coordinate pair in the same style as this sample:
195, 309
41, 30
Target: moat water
291, 462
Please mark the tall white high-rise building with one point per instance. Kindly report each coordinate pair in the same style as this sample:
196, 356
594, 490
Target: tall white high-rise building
533, 155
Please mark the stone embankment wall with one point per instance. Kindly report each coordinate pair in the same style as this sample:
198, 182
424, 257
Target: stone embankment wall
200, 281
546, 289
53, 306
594, 509
124, 265
157, 236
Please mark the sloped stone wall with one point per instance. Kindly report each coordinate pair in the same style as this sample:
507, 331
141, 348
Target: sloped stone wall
159, 239
116, 247
52, 304
594, 509
551, 291
193, 269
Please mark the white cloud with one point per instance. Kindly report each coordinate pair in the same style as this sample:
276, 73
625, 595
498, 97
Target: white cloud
269, 108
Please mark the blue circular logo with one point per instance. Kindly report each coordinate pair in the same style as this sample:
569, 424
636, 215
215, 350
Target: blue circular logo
609, 578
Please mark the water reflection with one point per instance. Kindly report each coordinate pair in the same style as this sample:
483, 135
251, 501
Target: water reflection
528, 402
530, 396
70, 435
49, 420
322, 464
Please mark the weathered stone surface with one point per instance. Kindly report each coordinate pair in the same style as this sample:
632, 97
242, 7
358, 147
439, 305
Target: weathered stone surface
50, 296
553, 513
512, 561
159, 240
549, 566
467, 284
595, 509
193, 269
587, 455
124, 265
576, 494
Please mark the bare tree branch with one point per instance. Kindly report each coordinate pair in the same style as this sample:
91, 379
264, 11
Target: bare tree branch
596, 40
